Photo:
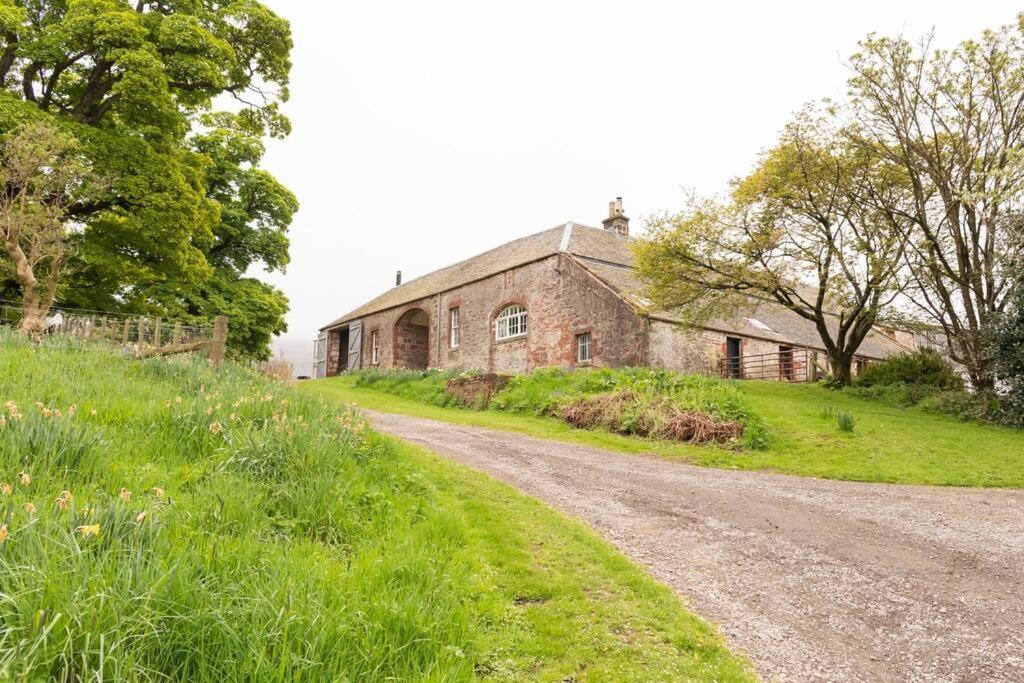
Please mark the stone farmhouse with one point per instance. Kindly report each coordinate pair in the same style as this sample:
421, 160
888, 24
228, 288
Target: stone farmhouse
567, 296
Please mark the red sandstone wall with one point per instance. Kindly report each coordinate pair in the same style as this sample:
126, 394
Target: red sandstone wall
563, 300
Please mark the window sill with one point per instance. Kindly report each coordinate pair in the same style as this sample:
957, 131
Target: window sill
518, 337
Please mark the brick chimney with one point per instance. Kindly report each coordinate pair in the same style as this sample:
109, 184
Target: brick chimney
616, 221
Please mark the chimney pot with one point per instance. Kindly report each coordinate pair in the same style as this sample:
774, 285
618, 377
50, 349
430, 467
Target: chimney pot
617, 221
398, 278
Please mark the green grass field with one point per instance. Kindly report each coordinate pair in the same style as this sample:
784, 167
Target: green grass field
163, 520
898, 445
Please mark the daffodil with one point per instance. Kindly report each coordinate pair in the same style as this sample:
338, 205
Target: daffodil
141, 517
24, 479
158, 492
88, 530
3, 533
30, 508
125, 494
62, 504
215, 428
5, 489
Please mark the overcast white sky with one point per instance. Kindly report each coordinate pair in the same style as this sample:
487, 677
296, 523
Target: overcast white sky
426, 133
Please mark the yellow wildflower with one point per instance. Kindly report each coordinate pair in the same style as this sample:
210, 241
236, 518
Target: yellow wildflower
62, 504
47, 412
141, 517
12, 407
177, 399
215, 428
125, 494
88, 530
24, 479
30, 508
158, 492
3, 533
67, 495
5, 489
92, 413
72, 409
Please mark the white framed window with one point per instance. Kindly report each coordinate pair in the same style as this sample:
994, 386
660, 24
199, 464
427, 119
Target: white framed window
453, 327
511, 322
583, 348
375, 347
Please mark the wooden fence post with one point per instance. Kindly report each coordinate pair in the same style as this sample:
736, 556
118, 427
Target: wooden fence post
127, 327
176, 334
220, 339
142, 332
156, 334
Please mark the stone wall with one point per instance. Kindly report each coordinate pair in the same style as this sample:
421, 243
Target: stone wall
685, 349
563, 300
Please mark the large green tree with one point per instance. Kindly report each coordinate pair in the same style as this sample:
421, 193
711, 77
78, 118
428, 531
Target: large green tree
188, 211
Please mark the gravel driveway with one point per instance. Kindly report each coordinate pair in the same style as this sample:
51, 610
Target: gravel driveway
813, 579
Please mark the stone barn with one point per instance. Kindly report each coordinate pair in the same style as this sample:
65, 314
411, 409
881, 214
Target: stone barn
567, 296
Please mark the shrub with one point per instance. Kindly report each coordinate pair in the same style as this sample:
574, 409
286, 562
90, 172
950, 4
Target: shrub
895, 395
922, 368
965, 405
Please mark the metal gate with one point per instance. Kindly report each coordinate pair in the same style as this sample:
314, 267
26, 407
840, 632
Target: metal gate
320, 356
355, 345
788, 365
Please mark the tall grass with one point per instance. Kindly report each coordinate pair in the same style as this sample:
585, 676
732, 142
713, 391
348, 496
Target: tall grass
163, 520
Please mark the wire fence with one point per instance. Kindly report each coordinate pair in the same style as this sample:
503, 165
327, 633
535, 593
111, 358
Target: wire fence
137, 334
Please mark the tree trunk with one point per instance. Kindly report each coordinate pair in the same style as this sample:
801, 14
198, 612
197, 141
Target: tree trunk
842, 368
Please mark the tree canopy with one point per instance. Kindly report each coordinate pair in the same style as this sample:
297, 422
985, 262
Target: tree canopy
897, 200
810, 229
952, 121
140, 85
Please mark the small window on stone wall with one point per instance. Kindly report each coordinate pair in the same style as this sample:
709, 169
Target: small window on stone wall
375, 347
511, 323
583, 348
453, 334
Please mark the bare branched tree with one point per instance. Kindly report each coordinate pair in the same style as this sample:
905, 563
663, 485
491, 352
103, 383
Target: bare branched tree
42, 174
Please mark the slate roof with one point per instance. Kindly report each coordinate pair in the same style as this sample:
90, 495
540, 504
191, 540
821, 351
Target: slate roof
609, 258
762, 320
586, 241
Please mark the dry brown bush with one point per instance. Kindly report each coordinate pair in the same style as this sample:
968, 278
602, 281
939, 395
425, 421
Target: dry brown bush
627, 412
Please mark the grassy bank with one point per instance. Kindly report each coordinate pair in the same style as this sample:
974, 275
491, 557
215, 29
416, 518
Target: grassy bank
167, 521
887, 444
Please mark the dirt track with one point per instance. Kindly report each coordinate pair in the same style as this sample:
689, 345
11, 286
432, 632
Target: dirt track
813, 579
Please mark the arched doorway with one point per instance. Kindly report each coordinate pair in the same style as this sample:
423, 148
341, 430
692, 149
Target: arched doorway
412, 340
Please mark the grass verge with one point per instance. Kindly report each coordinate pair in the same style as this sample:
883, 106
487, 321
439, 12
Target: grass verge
163, 520
888, 444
